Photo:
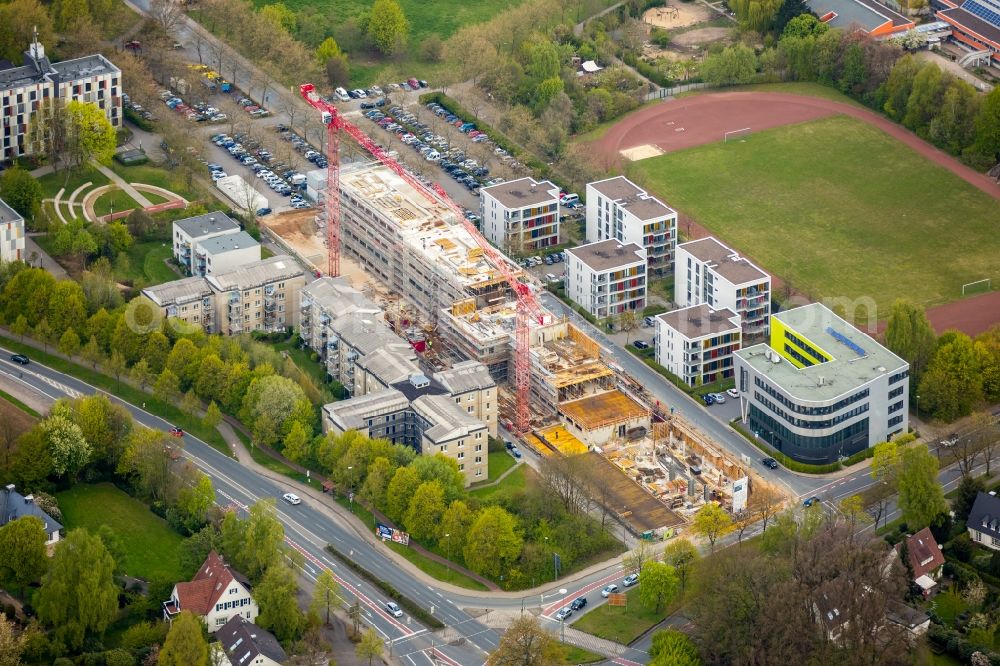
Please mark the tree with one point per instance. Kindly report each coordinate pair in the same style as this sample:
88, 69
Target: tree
987, 142
370, 646
921, 497
402, 487
190, 404
387, 27
853, 509
44, 333
326, 595
167, 386
70, 450
673, 648
682, 555
20, 327
22, 552
525, 643
91, 353
909, 335
146, 462
78, 593
255, 543
791, 10
327, 50
985, 434
764, 503
142, 375
195, 500
425, 511
91, 135
711, 522
965, 496
12, 643
185, 644
271, 405
952, 385
213, 416
380, 473
279, 609
885, 461
167, 15
18, 19
454, 527
21, 192
493, 542
660, 584
298, 443
338, 71
69, 343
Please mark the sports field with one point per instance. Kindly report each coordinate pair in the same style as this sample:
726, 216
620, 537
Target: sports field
838, 208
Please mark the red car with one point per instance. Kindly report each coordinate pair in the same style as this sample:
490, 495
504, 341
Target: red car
176, 432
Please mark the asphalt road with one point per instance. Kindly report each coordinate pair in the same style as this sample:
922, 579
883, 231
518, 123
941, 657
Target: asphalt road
310, 526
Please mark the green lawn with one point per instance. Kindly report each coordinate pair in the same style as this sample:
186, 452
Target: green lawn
622, 625
154, 198
19, 405
499, 462
53, 182
150, 174
152, 548
515, 481
115, 200
837, 208
435, 569
948, 605
572, 654
146, 264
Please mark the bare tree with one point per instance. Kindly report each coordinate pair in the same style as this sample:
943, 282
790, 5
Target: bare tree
199, 44
876, 500
562, 476
637, 557
985, 430
742, 521
167, 15
966, 451
765, 502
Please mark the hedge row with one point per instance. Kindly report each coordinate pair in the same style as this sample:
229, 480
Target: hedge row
958, 645
793, 465
408, 604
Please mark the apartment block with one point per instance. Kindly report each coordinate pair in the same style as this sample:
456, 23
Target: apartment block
697, 343
419, 413
225, 253
472, 388
192, 231
821, 390
521, 216
23, 89
11, 234
607, 278
706, 271
618, 209
259, 296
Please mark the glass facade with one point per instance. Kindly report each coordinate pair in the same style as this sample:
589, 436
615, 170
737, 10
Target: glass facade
817, 450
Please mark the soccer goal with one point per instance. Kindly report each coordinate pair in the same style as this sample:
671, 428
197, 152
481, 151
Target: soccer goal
977, 286
735, 134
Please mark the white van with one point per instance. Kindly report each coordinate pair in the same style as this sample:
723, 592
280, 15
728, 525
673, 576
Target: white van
570, 199
342, 95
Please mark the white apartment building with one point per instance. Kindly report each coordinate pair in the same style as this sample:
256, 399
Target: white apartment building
696, 343
706, 271
11, 234
93, 79
220, 254
191, 231
521, 216
618, 209
607, 278
417, 412
258, 296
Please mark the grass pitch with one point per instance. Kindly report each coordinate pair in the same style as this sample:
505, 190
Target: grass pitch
837, 208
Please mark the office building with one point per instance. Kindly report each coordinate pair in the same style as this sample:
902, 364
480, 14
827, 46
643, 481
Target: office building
706, 271
696, 343
867, 16
618, 209
521, 216
975, 24
607, 278
24, 89
11, 234
822, 390
191, 231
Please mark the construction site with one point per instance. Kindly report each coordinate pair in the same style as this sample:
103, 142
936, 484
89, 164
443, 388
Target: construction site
455, 298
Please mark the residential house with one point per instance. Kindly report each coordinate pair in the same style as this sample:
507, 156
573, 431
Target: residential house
11, 234
244, 644
984, 521
215, 594
259, 296
521, 216
925, 559
228, 252
190, 231
607, 278
14, 505
697, 343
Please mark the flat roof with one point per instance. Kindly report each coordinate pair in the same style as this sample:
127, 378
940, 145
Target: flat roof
724, 260
256, 273
179, 291
90, 65
632, 198
966, 19
338, 297
238, 241
865, 13
209, 223
8, 214
389, 365
602, 409
352, 414
523, 192
857, 358
447, 419
608, 255
465, 376
697, 321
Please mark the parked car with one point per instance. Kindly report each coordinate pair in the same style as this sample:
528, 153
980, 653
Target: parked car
393, 609
609, 590
563, 613
630, 580
509, 444
641, 344
291, 498
578, 603
769, 462
261, 212
516, 452
733, 393
708, 398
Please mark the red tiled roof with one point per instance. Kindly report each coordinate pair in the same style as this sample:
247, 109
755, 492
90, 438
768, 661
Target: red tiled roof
925, 556
201, 594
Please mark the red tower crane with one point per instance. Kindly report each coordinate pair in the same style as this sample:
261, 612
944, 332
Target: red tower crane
528, 307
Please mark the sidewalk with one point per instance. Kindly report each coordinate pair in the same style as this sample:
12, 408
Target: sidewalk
43, 258
122, 185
